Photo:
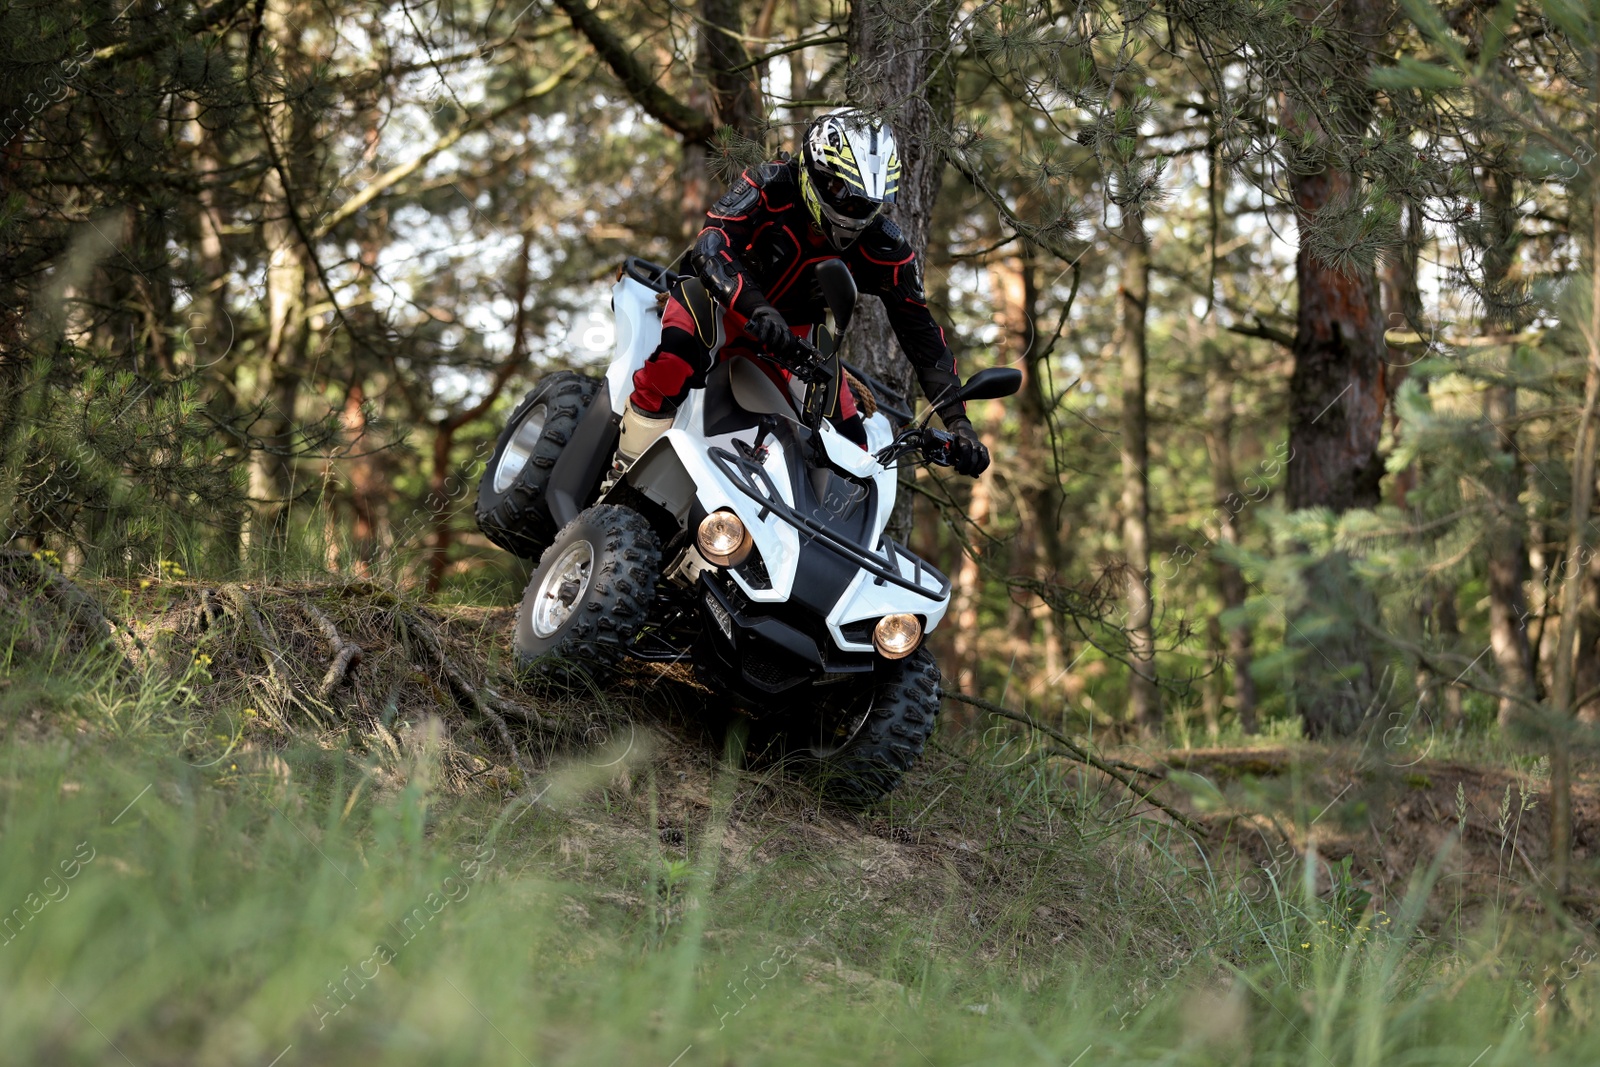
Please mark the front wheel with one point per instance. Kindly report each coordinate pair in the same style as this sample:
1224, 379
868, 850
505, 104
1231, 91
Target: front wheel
589, 595
859, 756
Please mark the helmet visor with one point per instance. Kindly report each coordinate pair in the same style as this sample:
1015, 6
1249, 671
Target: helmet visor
857, 207
848, 204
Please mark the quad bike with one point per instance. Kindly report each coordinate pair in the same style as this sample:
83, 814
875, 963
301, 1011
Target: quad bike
749, 540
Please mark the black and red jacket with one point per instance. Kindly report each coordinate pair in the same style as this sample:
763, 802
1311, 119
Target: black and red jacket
759, 247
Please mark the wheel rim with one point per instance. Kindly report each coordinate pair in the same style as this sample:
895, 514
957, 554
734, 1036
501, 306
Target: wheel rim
519, 448
561, 589
832, 742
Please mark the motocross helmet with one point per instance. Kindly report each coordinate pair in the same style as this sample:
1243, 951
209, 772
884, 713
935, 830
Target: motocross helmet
849, 169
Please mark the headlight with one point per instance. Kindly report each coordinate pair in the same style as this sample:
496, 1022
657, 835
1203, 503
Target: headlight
723, 539
896, 636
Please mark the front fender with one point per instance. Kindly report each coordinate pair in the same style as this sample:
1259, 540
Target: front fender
676, 473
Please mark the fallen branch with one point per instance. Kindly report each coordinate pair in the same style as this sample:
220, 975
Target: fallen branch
277, 668
1072, 751
345, 654
466, 695
75, 598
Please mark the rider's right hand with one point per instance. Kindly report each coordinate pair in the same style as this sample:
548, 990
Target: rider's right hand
968, 454
772, 333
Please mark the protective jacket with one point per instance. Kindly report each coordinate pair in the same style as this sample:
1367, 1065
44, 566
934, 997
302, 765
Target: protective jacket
759, 246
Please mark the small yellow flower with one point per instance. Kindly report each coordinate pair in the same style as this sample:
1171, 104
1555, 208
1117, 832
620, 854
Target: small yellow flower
144, 583
1305, 944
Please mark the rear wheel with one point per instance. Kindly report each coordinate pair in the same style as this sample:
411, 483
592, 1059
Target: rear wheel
859, 755
511, 507
589, 595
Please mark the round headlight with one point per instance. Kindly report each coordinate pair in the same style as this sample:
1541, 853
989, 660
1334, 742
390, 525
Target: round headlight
723, 539
897, 636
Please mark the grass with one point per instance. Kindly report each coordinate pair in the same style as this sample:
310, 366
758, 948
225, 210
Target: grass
227, 915
168, 897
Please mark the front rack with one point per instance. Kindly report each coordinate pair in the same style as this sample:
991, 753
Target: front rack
752, 479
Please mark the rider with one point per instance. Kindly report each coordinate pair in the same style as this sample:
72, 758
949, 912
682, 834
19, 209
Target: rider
757, 256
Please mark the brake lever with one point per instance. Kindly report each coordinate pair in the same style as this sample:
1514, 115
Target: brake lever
808, 370
938, 447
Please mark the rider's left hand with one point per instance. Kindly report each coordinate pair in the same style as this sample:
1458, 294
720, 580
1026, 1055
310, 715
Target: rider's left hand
770, 330
968, 454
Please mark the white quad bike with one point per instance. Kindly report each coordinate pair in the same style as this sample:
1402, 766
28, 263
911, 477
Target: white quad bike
749, 539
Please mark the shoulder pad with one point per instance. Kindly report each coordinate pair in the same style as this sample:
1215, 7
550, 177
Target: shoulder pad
737, 203
768, 173
884, 242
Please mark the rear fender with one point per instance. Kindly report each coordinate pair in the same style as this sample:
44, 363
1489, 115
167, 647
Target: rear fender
638, 332
577, 473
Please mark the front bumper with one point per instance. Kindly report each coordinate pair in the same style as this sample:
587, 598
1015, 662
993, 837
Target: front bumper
762, 655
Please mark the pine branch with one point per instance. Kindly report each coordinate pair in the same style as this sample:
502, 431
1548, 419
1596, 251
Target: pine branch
795, 46
689, 122
1036, 234
1262, 330
201, 20
399, 173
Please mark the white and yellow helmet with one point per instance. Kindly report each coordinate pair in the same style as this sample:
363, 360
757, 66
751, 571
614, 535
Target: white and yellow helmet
849, 169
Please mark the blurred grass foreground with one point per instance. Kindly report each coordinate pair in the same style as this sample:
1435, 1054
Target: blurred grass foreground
203, 862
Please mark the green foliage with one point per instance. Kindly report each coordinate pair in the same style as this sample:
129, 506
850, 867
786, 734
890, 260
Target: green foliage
116, 467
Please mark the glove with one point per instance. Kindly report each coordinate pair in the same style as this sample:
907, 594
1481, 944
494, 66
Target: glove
772, 333
967, 453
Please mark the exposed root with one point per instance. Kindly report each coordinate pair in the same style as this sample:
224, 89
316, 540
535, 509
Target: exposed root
346, 655
278, 674
476, 704
210, 614
83, 611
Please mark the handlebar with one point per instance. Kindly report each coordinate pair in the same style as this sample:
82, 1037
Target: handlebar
808, 368
937, 446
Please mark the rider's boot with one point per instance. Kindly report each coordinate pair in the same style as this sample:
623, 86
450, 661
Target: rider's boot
639, 431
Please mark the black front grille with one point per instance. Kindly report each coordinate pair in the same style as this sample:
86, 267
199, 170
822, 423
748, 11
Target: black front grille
859, 632
754, 571
765, 669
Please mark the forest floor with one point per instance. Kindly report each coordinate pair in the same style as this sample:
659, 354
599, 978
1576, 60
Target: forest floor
317, 758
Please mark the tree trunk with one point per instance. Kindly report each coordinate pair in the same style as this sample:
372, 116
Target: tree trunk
968, 594
206, 328
1337, 392
1507, 550
288, 282
364, 481
1040, 546
1586, 673
1507, 562
1337, 402
1144, 699
735, 94
439, 495
1229, 502
894, 45
1402, 307
1583, 475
